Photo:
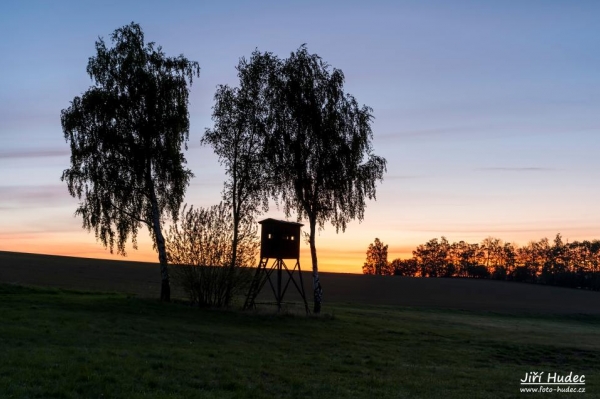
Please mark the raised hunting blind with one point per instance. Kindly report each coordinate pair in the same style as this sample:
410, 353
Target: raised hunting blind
279, 240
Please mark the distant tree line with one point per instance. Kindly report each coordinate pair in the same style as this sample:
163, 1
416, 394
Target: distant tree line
575, 264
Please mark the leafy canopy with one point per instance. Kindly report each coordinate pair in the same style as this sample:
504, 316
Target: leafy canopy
241, 118
377, 259
322, 143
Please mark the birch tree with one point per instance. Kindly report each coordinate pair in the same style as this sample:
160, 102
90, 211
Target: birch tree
321, 148
241, 116
308, 143
126, 134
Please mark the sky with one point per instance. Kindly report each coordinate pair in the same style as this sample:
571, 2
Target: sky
488, 112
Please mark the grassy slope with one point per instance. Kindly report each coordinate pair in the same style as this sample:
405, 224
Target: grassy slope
67, 344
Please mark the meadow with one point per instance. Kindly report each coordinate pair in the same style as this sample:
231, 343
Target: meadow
65, 343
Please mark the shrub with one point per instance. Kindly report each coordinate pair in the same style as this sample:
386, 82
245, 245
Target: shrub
200, 246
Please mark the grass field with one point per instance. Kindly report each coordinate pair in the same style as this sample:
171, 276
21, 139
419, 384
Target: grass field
70, 344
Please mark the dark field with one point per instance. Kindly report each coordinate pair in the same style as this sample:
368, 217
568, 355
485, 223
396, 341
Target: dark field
143, 280
379, 337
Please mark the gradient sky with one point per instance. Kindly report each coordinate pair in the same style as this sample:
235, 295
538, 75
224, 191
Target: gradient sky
488, 112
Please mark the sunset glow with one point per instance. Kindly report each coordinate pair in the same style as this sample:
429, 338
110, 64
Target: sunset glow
487, 113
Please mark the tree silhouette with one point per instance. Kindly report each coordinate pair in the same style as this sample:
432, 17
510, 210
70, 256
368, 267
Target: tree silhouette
238, 136
320, 148
404, 267
126, 134
556, 262
575, 264
432, 258
463, 256
377, 262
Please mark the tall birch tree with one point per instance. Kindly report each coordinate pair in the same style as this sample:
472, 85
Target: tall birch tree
241, 116
321, 149
126, 134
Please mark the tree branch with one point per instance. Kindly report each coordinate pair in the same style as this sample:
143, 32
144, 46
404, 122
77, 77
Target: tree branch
132, 216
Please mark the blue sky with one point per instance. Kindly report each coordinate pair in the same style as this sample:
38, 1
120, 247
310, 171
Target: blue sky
488, 112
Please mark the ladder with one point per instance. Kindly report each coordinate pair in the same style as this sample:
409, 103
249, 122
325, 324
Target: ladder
259, 280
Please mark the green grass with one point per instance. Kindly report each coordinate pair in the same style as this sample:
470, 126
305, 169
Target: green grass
67, 344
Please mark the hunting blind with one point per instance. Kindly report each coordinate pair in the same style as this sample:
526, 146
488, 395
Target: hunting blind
279, 240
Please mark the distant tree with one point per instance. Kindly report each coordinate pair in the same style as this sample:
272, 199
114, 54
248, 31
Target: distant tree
584, 258
594, 265
201, 244
404, 267
432, 258
478, 271
491, 249
508, 255
377, 262
321, 148
238, 138
530, 260
497, 257
126, 134
464, 256
555, 264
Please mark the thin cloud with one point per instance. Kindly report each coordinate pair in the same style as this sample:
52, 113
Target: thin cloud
515, 169
39, 153
20, 196
485, 232
484, 131
400, 177
436, 135
421, 133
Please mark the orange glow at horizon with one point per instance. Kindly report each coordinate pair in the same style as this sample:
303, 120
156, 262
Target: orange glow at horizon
83, 245
336, 253
343, 253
